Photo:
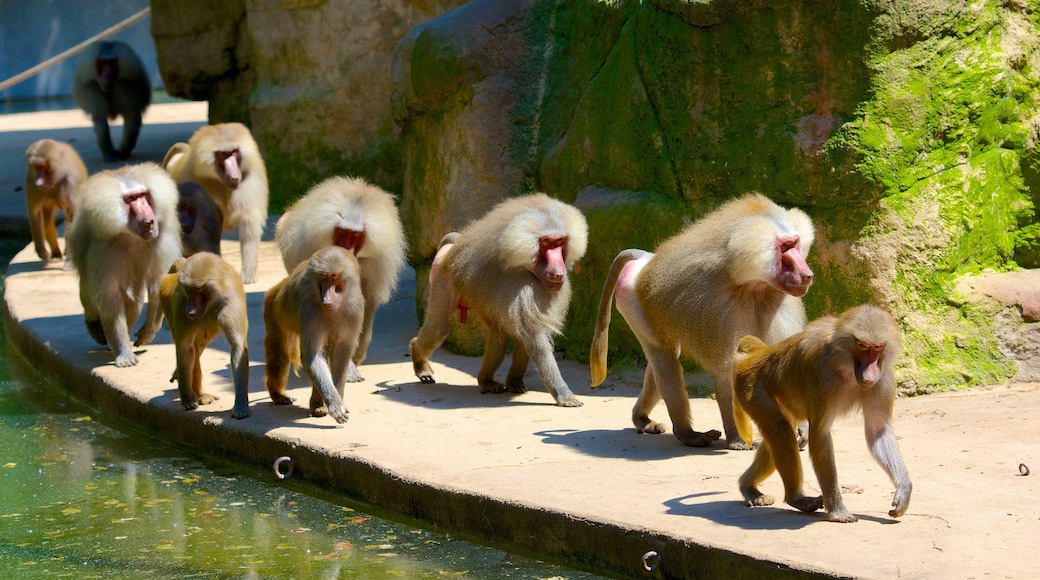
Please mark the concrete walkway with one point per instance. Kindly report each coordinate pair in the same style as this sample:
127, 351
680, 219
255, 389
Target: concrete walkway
572, 483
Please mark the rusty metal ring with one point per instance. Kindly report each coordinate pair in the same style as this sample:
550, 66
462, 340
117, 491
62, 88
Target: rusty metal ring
1023, 469
290, 467
647, 565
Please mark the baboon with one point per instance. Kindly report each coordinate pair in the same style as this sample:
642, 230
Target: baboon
313, 319
738, 270
353, 214
202, 297
510, 267
110, 81
225, 160
201, 220
835, 365
54, 173
125, 239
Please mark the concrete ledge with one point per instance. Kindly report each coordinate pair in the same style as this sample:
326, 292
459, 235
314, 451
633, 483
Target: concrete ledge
577, 485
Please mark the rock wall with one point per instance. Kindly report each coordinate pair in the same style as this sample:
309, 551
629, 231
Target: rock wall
311, 78
906, 128
205, 54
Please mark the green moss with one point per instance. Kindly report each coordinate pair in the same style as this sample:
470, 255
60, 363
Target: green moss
292, 173
438, 74
955, 345
427, 173
629, 152
967, 354
945, 136
746, 104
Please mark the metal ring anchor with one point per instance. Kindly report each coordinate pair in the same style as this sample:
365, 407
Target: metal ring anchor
1023, 469
651, 560
289, 464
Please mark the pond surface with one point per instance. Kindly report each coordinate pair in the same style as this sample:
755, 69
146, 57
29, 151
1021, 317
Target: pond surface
84, 500
81, 499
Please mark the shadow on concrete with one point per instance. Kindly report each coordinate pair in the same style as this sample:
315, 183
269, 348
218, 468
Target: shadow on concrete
625, 444
778, 516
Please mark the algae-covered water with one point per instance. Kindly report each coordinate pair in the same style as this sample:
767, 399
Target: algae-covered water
81, 499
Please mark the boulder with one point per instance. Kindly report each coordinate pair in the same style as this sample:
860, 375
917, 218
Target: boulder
311, 78
205, 54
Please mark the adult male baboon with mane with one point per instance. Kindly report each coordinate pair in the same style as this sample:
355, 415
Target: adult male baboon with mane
738, 270
225, 160
125, 239
510, 267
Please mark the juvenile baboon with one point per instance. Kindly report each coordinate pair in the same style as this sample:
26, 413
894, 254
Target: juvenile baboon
202, 297
358, 216
111, 81
835, 365
125, 239
510, 267
54, 173
201, 220
738, 270
313, 319
225, 160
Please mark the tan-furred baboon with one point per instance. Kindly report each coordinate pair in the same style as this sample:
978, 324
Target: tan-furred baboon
203, 296
509, 267
356, 215
125, 239
53, 176
110, 81
225, 160
313, 319
738, 270
834, 366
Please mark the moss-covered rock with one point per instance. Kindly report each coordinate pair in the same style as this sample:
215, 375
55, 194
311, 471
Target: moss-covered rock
617, 220
906, 128
945, 136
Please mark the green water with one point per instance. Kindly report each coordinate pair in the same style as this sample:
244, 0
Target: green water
80, 499
84, 500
